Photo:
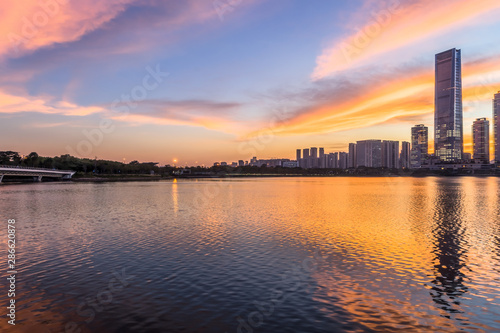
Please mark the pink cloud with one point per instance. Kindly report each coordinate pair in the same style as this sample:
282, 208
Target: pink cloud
396, 25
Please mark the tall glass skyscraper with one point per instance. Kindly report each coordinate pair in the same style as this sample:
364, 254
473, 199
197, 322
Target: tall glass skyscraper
448, 123
496, 125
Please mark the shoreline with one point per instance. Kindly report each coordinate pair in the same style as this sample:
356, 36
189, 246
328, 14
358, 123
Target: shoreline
157, 178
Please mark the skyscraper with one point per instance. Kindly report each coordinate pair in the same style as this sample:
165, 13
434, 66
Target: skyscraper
419, 145
481, 140
313, 158
305, 158
404, 157
322, 159
298, 156
390, 154
496, 125
352, 155
448, 124
369, 153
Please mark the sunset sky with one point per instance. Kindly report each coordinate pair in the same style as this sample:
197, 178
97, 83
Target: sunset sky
204, 81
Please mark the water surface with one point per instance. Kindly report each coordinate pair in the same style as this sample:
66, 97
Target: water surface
257, 255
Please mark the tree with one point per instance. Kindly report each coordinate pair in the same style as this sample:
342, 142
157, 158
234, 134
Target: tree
32, 159
10, 157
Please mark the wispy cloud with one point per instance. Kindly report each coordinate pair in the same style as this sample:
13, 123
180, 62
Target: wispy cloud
395, 24
340, 104
30, 25
209, 114
43, 104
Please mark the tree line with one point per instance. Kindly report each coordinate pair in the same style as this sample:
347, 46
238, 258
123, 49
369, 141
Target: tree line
82, 165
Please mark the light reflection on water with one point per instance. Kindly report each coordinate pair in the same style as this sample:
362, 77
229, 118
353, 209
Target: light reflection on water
384, 254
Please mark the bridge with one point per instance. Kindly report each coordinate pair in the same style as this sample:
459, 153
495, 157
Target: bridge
36, 173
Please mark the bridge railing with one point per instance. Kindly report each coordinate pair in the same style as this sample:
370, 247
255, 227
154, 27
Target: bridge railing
32, 168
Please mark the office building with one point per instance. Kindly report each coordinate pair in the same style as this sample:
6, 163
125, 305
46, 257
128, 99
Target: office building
369, 153
448, 124
298, 155
419, 146
352, 155
496, 126
390, 154
404, 157
481, 140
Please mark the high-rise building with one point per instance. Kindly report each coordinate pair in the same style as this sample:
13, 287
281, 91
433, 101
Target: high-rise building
481, 140
305, 158
404, 157
298, 156
369, 153
313, 158
343, 157
322, 158
390, 154
496, 125
352, 155
448, 123
333, 160
419, 146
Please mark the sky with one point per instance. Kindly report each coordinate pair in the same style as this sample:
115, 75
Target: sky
225, 80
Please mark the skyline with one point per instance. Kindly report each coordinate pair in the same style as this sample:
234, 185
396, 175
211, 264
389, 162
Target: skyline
233, 71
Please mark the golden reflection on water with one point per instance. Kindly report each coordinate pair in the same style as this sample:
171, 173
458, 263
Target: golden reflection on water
410, 254
390, 239
175, 196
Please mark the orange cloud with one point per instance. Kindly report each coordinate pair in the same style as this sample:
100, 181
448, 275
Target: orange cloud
395, 26
386, 98
17, 104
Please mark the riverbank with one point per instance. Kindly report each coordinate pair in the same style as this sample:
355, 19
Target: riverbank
118, 179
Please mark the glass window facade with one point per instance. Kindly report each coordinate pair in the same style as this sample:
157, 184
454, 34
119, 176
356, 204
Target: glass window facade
448, 123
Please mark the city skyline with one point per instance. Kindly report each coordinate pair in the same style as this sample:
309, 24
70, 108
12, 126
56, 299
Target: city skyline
448, 134
207, 91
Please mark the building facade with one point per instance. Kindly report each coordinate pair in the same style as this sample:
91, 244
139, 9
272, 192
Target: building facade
352, 155
390, 154
322, 158
343, 160
369, 153
419, 146
313, 163
496, 126
404, 157
481, 140
448, 123
333, 160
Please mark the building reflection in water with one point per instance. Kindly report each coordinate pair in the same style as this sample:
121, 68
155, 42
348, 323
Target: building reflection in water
449, 247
